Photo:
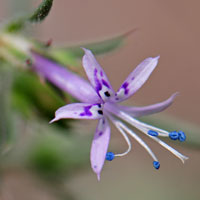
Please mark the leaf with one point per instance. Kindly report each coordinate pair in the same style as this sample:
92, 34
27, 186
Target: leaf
64, 58
42, 11
70, 55
37, 16
16, 25
170, 123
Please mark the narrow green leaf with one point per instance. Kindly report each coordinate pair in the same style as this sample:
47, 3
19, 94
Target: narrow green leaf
37, 16
64, 58
100, 47
66, 55
42, 11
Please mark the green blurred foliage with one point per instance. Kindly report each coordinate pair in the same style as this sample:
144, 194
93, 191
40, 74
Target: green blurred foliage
57, 155
6, 123
38, 15
71, 55
16, 25
30, 94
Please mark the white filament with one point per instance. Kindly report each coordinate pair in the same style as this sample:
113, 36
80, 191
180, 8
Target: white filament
124, 135
138, 139
122, 128
172, 150
136, 123
139, 125
143, 126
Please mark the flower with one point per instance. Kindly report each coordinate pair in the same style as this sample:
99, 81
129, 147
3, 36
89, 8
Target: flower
99, 101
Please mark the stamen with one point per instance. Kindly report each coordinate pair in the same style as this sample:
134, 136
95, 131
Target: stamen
176, 153
173, 135
152, 133
156, 164
148, 127
181, 136
137, 138
123, 134
110, 156
139, 124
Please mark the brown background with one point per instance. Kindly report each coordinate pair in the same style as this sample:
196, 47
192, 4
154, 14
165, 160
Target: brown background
170, 29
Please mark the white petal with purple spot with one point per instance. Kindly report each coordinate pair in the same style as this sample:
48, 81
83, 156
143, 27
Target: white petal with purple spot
79, 111
100, 146
97, 76
136, 79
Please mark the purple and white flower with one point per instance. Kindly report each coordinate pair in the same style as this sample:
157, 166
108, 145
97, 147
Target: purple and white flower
100, 101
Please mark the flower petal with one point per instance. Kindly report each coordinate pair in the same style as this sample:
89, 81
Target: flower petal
136, 79
97, 76
79, 111
100, 146
147, 110
64, 79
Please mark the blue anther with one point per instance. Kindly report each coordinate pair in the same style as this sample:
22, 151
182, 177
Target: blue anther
156, 164
181, 136
152, 133
174, 135
110, 156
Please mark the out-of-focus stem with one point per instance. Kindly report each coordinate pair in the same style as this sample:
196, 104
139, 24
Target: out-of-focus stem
14, 49
10, 58
16, 41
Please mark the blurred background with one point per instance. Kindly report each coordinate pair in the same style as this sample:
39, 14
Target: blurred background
50, 162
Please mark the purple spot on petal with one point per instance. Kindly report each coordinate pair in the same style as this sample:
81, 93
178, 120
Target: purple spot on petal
132, 78
98, 86
97, 82
86, 111
117, 98
101, 73
95, 166
126, 90
101, 133
95, 72
125, 85
105, 83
